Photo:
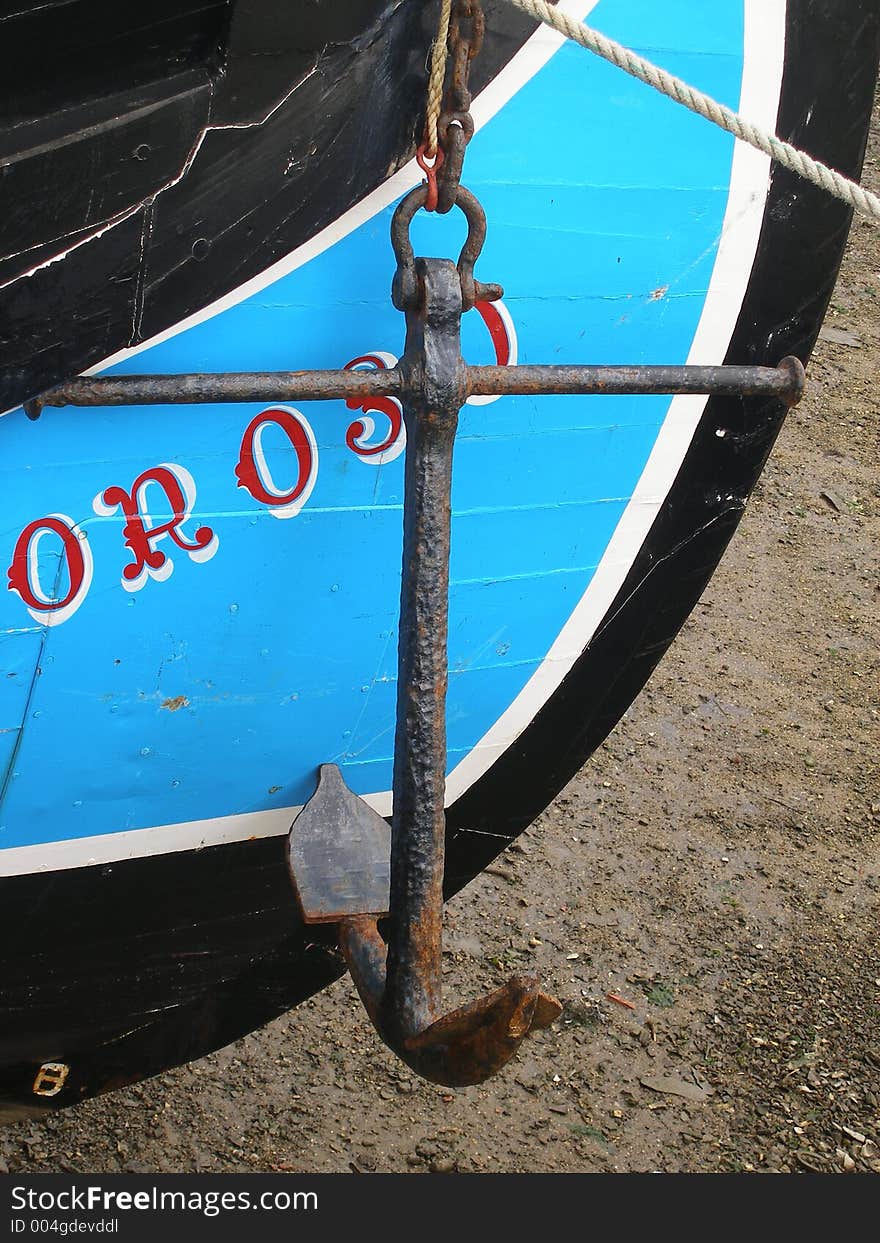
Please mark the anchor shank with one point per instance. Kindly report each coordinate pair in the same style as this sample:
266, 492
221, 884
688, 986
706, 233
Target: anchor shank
434, 395
400, 981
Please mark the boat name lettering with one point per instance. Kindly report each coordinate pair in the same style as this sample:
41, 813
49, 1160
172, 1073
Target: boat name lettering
141, 535
24, 572
253, 473
71, 567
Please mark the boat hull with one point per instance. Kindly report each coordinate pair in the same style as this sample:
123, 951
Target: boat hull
147, 922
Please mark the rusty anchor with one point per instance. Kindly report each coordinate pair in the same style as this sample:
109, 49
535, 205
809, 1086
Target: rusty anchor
385, 891
400, 982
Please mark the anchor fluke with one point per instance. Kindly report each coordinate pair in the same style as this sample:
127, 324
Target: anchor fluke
471, 1044
466, 1046
339, 854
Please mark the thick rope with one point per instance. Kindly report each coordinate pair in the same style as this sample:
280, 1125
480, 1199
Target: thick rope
439, 52
783, 153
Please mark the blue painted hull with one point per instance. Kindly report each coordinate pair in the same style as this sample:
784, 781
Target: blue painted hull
216, 690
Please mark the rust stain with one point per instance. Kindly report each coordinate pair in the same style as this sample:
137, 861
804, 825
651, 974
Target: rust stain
176, 703
661, 292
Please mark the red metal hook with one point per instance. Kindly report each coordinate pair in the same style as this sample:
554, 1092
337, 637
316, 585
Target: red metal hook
430, 171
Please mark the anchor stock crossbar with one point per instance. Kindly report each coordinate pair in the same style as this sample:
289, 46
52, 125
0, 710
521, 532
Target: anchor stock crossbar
785, 382
343, 867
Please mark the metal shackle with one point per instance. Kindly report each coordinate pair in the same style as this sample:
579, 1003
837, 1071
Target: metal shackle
404, 288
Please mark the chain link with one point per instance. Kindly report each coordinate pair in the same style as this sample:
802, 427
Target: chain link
447, 136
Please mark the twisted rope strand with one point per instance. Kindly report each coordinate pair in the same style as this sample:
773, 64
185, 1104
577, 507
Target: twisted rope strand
439, 52
828, 179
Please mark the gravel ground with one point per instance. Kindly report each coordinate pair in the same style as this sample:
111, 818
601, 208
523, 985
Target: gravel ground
715, 868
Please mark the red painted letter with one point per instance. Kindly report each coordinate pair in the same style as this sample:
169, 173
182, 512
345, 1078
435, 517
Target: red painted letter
141, 534
253, 472
358, 435
24, 573
502, 333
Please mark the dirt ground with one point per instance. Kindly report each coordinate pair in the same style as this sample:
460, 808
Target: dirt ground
715, 867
